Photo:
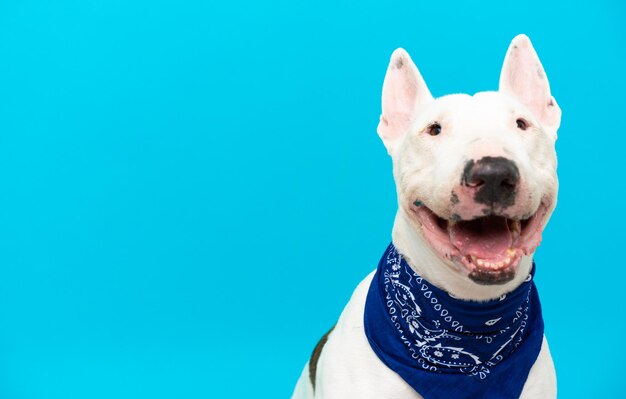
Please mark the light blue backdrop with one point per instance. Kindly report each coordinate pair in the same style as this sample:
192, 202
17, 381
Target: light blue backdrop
191, 190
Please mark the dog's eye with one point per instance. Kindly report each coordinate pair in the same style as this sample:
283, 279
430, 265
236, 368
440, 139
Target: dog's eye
521, 124
434, 129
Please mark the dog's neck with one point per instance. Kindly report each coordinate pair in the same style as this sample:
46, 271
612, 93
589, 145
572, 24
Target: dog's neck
445, 275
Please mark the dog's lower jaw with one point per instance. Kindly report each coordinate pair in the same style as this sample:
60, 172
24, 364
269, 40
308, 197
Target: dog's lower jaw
410, 242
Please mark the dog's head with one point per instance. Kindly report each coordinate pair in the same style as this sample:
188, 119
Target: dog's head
476, 174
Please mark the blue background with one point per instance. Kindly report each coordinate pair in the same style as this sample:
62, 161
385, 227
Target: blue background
190, 191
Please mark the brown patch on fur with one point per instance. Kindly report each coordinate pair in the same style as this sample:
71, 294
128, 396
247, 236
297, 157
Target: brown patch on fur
454, 199
399, 63
540, 73
315, 356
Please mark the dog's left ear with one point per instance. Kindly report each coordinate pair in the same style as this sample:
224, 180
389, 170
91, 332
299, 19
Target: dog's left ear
524, 78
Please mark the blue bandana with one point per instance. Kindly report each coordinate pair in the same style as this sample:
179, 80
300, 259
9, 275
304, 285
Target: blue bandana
451, 348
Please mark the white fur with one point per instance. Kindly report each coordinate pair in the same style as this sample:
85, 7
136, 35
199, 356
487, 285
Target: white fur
428, 168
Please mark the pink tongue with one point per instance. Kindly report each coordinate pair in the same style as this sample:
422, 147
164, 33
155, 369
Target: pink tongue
484, 238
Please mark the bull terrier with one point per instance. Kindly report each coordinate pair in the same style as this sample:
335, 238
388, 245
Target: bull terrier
452, 310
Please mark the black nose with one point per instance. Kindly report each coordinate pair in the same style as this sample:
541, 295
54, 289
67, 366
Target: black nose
494, 180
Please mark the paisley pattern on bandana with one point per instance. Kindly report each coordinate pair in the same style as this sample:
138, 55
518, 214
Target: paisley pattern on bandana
447, 347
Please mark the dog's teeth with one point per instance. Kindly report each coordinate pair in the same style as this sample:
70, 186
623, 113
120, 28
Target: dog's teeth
517, 225
516, 229
510, 252
493, 265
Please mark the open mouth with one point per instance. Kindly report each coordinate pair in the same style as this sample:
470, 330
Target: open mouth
490, 248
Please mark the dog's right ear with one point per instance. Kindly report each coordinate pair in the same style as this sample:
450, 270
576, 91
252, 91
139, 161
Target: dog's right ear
404, 90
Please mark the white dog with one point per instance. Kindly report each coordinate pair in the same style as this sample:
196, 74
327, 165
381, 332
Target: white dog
476, 184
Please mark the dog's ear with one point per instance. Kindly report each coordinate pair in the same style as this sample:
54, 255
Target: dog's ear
524, 78
404, 90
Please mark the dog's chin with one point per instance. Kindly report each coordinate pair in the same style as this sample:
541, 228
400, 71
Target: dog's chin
487, 249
